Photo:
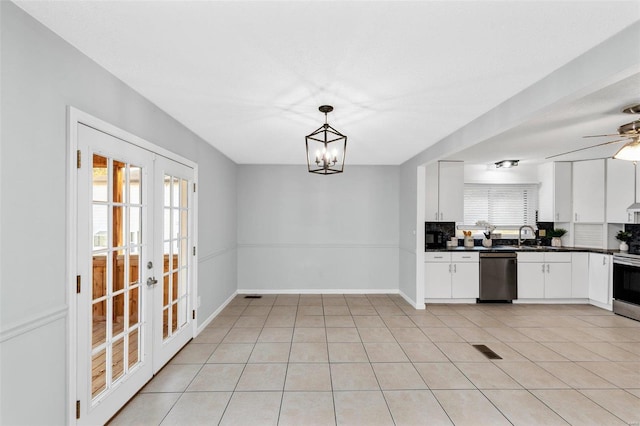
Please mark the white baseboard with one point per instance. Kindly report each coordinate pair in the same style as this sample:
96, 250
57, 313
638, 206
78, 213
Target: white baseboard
410, 301
450, 301
608, 307
552, 301
206, 322
319, 291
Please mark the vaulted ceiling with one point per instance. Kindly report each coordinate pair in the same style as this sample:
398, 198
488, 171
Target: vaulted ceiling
248, 77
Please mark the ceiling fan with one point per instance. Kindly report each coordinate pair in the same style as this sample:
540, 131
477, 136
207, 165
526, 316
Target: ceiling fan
629, 133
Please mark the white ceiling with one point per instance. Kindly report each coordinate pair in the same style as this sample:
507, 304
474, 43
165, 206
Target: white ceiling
248, 77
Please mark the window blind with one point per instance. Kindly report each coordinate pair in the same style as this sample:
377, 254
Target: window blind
501, 205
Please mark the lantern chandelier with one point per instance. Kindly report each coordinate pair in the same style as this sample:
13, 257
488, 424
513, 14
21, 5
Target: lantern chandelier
326, 148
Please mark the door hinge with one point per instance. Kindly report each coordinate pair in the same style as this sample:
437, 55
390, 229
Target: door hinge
194, 314
194, 187
78, 283
194, 250
79, 159
77, 409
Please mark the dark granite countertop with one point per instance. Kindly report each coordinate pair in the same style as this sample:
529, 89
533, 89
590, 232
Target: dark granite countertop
529, 249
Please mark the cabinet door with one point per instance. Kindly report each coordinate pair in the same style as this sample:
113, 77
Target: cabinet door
437, 277
620, 187
431, 211
599, 277
580, 275
451, 191
588, 191
465, 281
562, 191
557, 282
531, 280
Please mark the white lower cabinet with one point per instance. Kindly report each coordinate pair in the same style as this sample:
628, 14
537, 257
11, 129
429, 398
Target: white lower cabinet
580, 275
600, 278
452, 275
544, 275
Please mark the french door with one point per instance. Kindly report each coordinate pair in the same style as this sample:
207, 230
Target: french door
135, 273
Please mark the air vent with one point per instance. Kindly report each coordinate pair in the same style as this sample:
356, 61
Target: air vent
253, 296
484, 350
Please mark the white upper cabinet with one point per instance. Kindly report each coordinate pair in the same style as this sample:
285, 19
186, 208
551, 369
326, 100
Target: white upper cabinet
588, 191
444, 200
554, 196
620, 190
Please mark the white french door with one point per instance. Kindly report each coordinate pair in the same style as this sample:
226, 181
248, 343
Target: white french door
135, 277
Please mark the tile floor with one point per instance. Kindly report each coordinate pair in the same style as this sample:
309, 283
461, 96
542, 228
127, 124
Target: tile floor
374, 360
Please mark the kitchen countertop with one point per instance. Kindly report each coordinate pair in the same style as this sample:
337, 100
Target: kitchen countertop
530, 249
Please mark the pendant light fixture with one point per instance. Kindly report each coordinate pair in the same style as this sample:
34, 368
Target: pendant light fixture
326, 148
630, 151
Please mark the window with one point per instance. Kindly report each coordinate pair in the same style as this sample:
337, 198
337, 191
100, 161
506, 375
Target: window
503, 205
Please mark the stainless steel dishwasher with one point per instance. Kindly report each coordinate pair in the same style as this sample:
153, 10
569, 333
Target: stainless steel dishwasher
498, 277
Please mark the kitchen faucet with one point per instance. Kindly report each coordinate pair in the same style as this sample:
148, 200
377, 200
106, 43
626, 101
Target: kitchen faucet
520, 233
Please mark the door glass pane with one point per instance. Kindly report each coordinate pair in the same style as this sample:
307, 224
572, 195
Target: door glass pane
118, 270
134, 225
183, 223
135, 193
175, 223
184, 252
134, 270
133, 306
99, 178
182, 311
100, 221
184, 193
167, 191
174, 319
165, 291
118, 314
98, 372
133, 348
165, 323
183, 282
167, 224
117, 356
119, 181
99, 276
174, 287
118, 226
175, 197
99, 323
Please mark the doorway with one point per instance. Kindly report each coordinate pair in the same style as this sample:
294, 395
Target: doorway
134, 256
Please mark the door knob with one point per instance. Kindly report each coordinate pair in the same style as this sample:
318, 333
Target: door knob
151, 281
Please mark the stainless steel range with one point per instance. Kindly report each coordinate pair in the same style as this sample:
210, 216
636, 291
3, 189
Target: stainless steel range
626, 285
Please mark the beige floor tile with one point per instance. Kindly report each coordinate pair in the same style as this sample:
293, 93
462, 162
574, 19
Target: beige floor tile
427, 320
573, 351
376, 334
456, 321
389, 310
339, 321
633, 347
474, 334
362, 310
231, 353
522, 408
441, 335
211, 335
242, 335
462, 352
409, 335
233, 310
287, 299
310, 321
635, 392
609, 321
541, 335
198, 408
308, 352
262, 377
310, 300
575, 376
307, 408
507, 334
310, 310
357, 408
336, 310
385, 352
252, 408
618, 402
576, 408
250, 321
535, 351
347, 352
442, 375
469, 407
343, 335
258, 311
194, 353
333, 299
398, 321
369, 321
308, 377
398, 376
276, 335
573, 334
611, 372
353, 376
487, 376
423, 352
270, 352
146, 409
415, 407
280, 321
224, 321
610, 352
172, 378
216, 377
530, 375
309, 335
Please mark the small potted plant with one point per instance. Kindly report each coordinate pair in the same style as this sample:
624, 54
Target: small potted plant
624, 237
556, 235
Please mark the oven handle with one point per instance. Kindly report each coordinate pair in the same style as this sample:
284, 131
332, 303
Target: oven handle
627, 263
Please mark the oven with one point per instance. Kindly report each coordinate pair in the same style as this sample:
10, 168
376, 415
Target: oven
626, 285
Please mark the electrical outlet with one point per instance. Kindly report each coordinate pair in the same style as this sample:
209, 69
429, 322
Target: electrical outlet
199, 301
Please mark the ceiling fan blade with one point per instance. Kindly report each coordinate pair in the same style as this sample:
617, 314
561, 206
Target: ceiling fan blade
602, 136
586, 147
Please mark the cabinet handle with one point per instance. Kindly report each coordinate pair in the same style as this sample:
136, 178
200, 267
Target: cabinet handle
543, 268
604, 260
576, 217
547, 268
436, 215
449, 268
441, 216
438, 257
455, 268
466, 257
628, 217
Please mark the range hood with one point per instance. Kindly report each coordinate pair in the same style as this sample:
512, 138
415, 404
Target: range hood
635, 207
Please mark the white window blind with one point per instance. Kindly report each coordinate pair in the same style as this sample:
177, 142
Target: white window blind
502, 205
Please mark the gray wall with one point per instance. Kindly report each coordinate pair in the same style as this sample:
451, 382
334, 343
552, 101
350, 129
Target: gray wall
303, 232
41, 75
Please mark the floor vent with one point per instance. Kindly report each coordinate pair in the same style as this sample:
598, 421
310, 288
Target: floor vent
487, 352
253, 296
